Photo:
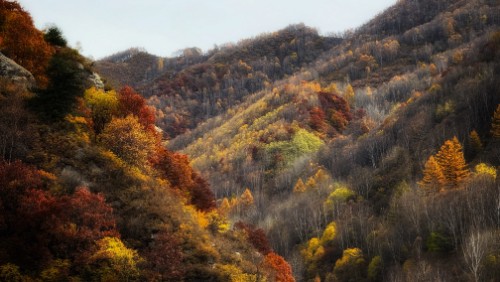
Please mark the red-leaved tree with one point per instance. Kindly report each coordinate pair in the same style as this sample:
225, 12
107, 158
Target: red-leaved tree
176, 169
131, 103
278, 268
22, 42
164, 258
256, 237
37, 226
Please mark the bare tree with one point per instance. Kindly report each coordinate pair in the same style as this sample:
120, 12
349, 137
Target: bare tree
474, 250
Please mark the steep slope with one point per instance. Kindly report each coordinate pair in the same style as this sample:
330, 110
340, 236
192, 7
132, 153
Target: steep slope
337, 188
87, 190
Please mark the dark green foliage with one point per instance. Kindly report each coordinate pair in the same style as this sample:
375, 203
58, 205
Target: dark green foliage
375, 269
67, 81
439, 243
54, 36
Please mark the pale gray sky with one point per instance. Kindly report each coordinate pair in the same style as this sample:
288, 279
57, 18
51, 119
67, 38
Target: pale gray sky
104, 27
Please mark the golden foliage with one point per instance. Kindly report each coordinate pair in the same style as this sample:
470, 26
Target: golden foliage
339, 195
103, 105
351, 267
484, 169
331, 88
224, 207
329, 233
447, 167
246, 198
236, 274
433, 175
349, 95
452, 162
128, 140
122, 261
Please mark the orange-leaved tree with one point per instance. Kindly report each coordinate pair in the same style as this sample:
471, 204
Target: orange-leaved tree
278, 267
447, 167
433, 174
22, 42
299, 186
452, 162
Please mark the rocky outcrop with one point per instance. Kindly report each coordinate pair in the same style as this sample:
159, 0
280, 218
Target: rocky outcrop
96, 81
15, 73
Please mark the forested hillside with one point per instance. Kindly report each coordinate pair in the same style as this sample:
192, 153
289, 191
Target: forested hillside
193, 87
374, 159
290, 156
87, 190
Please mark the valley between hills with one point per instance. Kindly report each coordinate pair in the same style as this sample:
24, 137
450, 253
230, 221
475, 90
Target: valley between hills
370, 155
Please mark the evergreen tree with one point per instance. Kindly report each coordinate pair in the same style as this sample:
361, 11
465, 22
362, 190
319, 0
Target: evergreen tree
495, 124
247, 198
54, 36
433, 174
475, 142
299, 186
452, 162
225, 207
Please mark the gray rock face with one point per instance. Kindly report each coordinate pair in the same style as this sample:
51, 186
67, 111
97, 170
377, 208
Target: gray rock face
14, 72
96, 80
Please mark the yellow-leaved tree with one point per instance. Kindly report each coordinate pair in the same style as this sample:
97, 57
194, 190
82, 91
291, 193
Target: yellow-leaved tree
329, 233
127, 139
116, 261
485, 170
349, 95
103, 105
351, 267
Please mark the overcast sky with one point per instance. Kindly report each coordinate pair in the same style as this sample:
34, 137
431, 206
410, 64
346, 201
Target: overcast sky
104, 27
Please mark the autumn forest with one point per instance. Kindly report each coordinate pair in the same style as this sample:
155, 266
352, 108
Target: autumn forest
368, 155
